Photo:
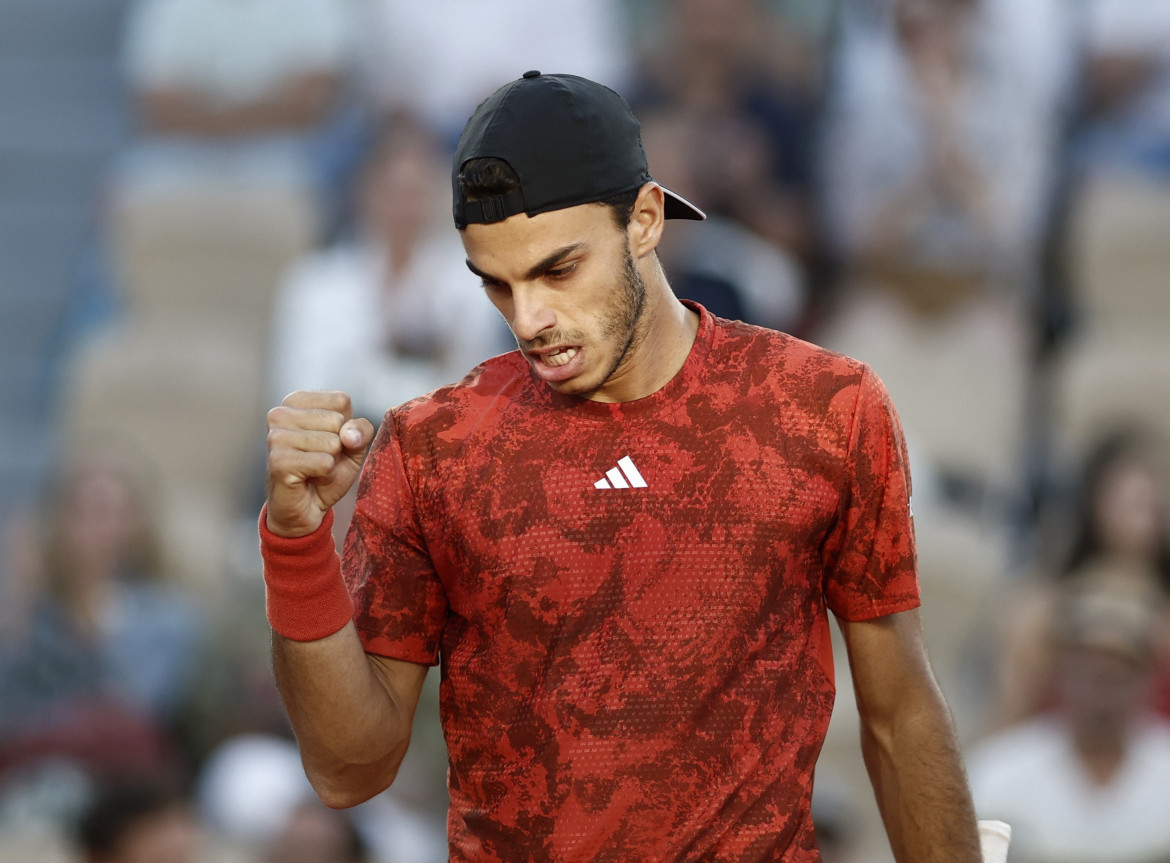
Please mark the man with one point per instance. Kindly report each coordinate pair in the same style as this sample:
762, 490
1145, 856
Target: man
135, 822
314, 834
1089, 779
243, 90
620, 542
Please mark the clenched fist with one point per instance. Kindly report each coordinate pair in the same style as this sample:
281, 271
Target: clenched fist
315, 452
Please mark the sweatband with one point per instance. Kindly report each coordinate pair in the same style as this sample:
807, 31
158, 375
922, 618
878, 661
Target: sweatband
305, 596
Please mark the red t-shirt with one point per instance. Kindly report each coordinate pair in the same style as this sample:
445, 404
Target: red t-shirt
628, 600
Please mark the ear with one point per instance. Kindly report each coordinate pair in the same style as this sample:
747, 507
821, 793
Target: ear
646, 220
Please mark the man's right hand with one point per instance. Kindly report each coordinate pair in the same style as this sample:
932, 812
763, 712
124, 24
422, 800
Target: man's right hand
315, 453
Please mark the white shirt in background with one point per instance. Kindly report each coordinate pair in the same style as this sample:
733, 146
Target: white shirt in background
234, 51
1029, 777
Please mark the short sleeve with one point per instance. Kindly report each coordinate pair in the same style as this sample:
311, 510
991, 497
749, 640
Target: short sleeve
399, 603
870, 559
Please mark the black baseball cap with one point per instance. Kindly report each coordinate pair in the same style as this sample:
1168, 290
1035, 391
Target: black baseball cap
570, 141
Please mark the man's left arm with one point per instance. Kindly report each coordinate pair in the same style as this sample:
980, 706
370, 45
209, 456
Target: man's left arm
909, 743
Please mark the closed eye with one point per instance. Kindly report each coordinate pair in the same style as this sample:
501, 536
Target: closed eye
561, 272
554, 268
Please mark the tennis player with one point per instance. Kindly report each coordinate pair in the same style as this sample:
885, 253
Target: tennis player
620, 542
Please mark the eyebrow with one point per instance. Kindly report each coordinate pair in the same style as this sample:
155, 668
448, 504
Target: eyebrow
538, 269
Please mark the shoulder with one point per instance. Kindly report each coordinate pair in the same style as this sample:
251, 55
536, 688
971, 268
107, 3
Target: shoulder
793, 370
457, 410
445, 424
1153, 740
734, 337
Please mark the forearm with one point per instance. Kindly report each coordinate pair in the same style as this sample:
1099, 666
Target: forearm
918, 777
351, 711
351, 727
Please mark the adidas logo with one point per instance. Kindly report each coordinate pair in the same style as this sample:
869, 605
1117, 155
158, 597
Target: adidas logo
624, 475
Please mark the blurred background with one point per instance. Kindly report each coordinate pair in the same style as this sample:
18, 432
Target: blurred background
205, 204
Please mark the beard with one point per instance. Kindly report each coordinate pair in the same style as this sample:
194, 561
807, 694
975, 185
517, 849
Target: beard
622, 323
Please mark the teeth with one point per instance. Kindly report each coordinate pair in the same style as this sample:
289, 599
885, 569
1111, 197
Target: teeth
560, 357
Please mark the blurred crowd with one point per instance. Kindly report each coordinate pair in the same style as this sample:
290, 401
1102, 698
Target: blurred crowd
973, 196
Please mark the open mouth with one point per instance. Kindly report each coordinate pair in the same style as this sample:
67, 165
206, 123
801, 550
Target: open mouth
559, 357
557, 365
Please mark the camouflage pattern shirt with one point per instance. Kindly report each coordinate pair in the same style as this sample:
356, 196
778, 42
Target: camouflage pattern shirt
629, 600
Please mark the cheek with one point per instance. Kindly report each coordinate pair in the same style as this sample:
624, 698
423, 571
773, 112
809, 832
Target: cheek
1103, 685
502, 300
1130, 511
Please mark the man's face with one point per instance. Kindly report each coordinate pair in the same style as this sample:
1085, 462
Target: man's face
568, 287
1102, 689
171, 836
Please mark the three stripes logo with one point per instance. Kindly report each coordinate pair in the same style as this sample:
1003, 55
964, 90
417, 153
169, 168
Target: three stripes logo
625, 475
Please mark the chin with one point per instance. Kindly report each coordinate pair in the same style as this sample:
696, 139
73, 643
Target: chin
572, 387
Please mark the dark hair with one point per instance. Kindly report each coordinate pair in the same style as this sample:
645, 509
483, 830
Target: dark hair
116, 809
396, 131
353, 845
143, 554
488, 176
1114, 448
356, 848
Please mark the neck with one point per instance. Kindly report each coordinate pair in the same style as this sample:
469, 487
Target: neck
1101, 754
87, 600
667, 333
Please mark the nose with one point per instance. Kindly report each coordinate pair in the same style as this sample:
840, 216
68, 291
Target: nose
531, 314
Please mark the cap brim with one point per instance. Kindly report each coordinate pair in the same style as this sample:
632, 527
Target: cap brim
677, 207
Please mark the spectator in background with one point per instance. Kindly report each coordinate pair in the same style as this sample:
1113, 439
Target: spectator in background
731, 271
316, 834
386, 314
237, 90
835, 805
1128, 107
745, 89
252, 793
391, 311
1119, 526
1124, 506
249, 786
438, 58
99, 652
943, 122
1088, 782
138, 823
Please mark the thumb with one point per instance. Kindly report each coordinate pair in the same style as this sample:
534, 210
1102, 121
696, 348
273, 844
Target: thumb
356, 435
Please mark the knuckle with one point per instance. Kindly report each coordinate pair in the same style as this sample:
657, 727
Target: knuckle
281, 438
278, 456
339, 401
275, 443
321, 464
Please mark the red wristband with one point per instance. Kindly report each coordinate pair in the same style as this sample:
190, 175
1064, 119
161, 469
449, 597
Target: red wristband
305, 596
